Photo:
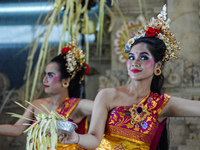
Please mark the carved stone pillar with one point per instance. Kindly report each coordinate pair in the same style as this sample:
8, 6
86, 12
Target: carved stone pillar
183, 75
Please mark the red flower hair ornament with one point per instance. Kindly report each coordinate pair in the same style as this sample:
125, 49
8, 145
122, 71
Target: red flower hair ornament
87, 68
65, 50
151, 32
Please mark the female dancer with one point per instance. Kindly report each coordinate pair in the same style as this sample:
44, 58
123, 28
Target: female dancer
133, 116
62, 82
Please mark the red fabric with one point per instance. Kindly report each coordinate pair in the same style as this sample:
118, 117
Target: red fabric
66, 107
156, 138
81, 126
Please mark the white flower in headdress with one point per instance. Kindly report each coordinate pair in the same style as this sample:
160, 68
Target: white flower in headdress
163, 13
74, 57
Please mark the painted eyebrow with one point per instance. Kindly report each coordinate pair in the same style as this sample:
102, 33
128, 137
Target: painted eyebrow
140, 53
144, 53
49, 72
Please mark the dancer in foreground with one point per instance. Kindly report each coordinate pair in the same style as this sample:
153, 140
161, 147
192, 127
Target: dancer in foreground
133, 116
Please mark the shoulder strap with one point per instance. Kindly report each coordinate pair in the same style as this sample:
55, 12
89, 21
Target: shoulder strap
67, 106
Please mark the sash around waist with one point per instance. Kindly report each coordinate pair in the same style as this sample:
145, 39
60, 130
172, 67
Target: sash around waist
131, 135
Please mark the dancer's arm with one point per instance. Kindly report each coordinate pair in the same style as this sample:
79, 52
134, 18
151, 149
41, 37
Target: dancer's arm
97, 125
18, 128
179, 107
86, 106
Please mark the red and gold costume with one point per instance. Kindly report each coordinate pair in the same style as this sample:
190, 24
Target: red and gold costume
135, 127
67, 106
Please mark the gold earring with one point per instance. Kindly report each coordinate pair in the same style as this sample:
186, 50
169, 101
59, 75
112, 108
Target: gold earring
157, 71
65, 84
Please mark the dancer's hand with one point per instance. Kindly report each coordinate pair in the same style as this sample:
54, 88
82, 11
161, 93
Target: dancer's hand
69, 139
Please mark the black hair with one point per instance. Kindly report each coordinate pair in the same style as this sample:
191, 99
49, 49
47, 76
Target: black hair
74, 88
157, 48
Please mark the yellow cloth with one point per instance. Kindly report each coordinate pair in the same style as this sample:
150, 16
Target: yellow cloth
114, 143
68, 147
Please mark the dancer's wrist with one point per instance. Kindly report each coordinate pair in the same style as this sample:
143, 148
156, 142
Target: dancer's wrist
77, 139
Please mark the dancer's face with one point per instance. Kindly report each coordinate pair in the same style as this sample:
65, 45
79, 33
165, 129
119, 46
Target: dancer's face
141, 63
51, 80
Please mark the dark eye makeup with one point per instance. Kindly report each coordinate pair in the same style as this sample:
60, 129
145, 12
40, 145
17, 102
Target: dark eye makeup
143, 56
131, 57
49, 74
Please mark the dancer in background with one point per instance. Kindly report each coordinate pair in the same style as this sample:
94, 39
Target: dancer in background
62, 79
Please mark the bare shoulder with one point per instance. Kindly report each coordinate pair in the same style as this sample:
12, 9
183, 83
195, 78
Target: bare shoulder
108, 92
106, 97
37, 102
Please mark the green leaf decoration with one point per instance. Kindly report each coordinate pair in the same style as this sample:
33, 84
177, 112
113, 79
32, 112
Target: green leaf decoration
37, 137
23, 107
45, 107
33, 105
19, 116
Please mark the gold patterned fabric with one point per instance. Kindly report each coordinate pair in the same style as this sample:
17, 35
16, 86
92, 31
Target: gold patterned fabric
67, 106
114, 143
68, 147
135, 127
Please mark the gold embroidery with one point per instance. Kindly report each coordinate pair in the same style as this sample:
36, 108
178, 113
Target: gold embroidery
119, 123
149, 118
129, 125
122, 121
154, 111
136, 127
154, 120
119, 147
138, 113
115, 117
122, 114
112, 122
121, 144
166, 99
130, 135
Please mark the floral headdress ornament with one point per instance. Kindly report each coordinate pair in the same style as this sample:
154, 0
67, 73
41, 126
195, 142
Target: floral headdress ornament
158, 28
75, 58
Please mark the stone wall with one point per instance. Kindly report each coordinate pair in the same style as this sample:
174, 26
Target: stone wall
183, 75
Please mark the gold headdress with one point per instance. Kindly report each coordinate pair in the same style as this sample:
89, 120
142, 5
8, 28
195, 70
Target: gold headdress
75, 58
158, 28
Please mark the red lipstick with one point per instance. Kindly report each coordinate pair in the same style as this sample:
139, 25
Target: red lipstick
135, 70
46, 86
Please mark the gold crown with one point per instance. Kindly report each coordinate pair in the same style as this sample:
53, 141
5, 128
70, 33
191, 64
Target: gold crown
74, 57
158, 28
